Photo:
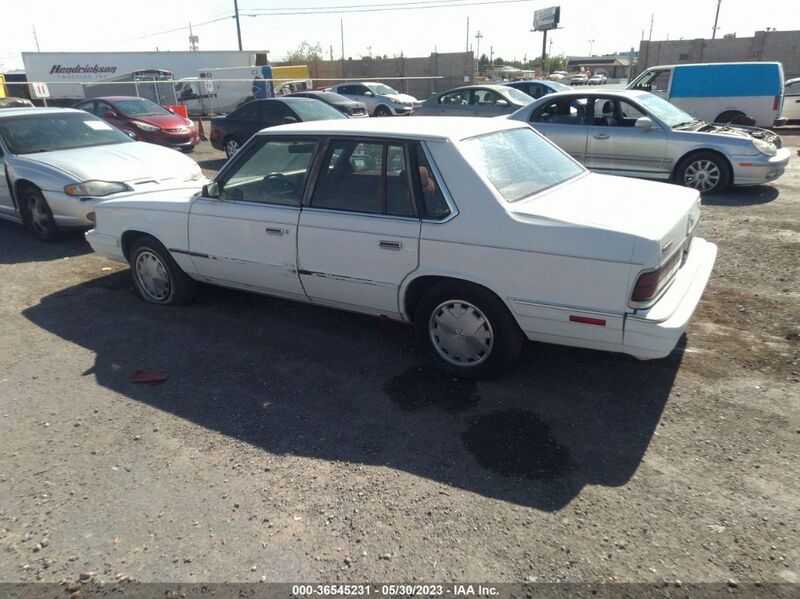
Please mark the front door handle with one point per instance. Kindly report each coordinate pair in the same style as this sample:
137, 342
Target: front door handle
390, 245
275, 230
601, 136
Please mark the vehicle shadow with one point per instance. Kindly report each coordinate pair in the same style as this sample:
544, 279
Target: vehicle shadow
18, 246
743, 196
307, 381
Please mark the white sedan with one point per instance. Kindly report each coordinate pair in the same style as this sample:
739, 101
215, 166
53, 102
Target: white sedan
480, 232
56, 163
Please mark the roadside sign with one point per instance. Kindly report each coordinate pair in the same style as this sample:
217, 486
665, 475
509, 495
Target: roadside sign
39, 90
546, 18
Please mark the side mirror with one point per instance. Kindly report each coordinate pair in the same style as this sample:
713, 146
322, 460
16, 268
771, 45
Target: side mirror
369, 93
644, 122
501, 103
290, 119
211, 190
109, 114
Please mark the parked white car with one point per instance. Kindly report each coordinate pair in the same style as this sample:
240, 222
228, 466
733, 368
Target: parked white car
381, 100
791, 100
57, 163
480, 232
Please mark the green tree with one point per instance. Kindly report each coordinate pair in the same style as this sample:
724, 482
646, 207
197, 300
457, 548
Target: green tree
305, 52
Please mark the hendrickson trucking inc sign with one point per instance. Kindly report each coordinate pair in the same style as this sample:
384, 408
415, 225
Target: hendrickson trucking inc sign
58, 69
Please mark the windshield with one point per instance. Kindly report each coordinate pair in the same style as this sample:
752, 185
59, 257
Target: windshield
518, 96
140, 107
669, 113
559, 87
380, 89
519, 162
314, 110
31, 133
332, 97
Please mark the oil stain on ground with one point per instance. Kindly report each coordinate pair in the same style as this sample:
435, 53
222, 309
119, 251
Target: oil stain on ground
517, 443
425, 387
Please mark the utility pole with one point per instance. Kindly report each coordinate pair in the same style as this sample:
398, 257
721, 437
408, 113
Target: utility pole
36, 39
467, 46
591, 43
544, 52
650, 37
716, 19
478, 37
238, 28
193, 40
331, 51
341, 26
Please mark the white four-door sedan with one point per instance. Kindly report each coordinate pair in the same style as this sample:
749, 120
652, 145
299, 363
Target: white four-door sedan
56, 163
480, 232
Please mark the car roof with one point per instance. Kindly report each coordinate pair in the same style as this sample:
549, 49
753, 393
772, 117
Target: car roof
7, 112
115, 98
543, 81
622, 93
412, 127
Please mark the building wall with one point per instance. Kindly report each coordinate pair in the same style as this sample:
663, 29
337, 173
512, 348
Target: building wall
772, 46
453, 68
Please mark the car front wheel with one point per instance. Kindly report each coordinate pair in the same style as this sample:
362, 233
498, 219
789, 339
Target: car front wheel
383, 111
37, 216
156, 275
467, 331
705, 171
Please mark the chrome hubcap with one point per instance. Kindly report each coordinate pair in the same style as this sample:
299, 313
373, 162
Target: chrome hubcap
461, 334
702, 175
38, 213
152, 276
232, 146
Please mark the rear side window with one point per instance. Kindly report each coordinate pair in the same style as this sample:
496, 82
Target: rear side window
434, 206
368, 177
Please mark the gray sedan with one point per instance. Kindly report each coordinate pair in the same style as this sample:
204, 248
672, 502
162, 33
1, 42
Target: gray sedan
638, 134
475, 100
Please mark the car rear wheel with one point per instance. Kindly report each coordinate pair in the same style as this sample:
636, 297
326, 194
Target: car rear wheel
156, 275
232, 146
37, 216
705, 171
467, 331
383, 111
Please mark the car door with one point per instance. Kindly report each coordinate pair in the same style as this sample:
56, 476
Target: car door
563, 122
791, 101
359, 233
455, 103
246, 234
616, 145
486, 102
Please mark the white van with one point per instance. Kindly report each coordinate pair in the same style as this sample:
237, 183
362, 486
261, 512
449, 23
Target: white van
745, 93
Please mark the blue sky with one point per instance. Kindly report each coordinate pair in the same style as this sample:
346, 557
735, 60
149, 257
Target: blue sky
95, 25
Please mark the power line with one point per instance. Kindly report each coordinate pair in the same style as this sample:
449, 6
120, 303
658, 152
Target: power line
358, 6
381, 8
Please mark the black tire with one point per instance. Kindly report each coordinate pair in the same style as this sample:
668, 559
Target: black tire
180, 288
694, 163
506, 336
229, 143
382, 111
37, 216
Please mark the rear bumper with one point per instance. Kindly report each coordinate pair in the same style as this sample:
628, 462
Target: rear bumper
654, 333
750, 170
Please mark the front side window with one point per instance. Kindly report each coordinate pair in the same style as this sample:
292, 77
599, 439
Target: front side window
245, 113
485, 97
615, 113
792, 89
368, 177
519, 97
564, 111
272, 172
519, 163
32, 133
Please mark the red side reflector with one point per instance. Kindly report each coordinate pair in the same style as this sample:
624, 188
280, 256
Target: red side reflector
586, 320
776, 103
745, 164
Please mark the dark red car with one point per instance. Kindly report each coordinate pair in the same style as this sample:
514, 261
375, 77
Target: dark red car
144, 120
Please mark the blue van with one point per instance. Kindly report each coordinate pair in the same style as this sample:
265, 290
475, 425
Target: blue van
745, 93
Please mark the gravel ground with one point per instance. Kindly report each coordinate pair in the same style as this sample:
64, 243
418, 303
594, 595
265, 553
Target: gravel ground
298, 443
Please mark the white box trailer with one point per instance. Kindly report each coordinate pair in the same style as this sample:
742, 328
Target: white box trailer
65, 72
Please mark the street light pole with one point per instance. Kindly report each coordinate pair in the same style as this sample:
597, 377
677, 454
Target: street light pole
716, 19
478, 37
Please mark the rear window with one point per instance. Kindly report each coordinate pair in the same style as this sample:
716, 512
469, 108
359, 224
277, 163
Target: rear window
519, 162
314, 110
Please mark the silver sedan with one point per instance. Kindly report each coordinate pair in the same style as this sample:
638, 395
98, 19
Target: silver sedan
475, 100
638, 134
57, 163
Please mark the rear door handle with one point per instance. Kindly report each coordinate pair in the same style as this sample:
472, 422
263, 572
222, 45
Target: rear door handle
601, 136
390, 245
275, 230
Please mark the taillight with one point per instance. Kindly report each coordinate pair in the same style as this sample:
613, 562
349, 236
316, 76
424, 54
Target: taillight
776, 103
646, 286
